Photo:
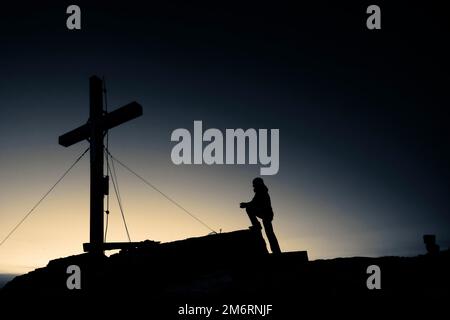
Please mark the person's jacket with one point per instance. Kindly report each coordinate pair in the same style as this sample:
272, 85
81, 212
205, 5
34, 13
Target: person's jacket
261, 203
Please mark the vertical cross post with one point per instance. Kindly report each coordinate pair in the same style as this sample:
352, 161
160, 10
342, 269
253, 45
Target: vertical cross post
94, 131
96, 157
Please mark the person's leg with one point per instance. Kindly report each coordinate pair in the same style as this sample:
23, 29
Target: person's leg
253, 219
274, 246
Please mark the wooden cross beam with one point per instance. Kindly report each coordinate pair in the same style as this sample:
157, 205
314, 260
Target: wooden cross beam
94, 131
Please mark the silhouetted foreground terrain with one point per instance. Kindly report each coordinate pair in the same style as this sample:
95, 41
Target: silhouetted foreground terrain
235, 266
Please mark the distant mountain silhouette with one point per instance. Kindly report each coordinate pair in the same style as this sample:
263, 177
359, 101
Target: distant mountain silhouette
5, 278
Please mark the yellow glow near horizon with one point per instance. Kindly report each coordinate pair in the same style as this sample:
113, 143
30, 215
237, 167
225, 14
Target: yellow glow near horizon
61, 224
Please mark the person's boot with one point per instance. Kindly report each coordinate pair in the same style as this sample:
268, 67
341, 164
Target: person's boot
274, 246
256, 227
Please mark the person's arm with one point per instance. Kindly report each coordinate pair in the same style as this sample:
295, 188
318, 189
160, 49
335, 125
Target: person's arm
248, 204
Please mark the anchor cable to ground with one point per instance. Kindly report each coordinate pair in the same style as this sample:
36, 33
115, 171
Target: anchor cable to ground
43, 197
159, 191
119, 199
113, 176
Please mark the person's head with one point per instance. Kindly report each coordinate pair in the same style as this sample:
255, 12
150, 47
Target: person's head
258, 184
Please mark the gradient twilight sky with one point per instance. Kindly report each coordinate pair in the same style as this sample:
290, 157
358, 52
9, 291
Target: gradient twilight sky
363, 119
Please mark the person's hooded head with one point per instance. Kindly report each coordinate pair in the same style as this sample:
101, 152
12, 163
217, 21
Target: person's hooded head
259, 186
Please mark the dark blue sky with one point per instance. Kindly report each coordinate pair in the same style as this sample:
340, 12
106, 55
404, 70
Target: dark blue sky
363, 115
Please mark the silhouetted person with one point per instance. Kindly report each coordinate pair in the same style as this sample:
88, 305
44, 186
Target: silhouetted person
260, 207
